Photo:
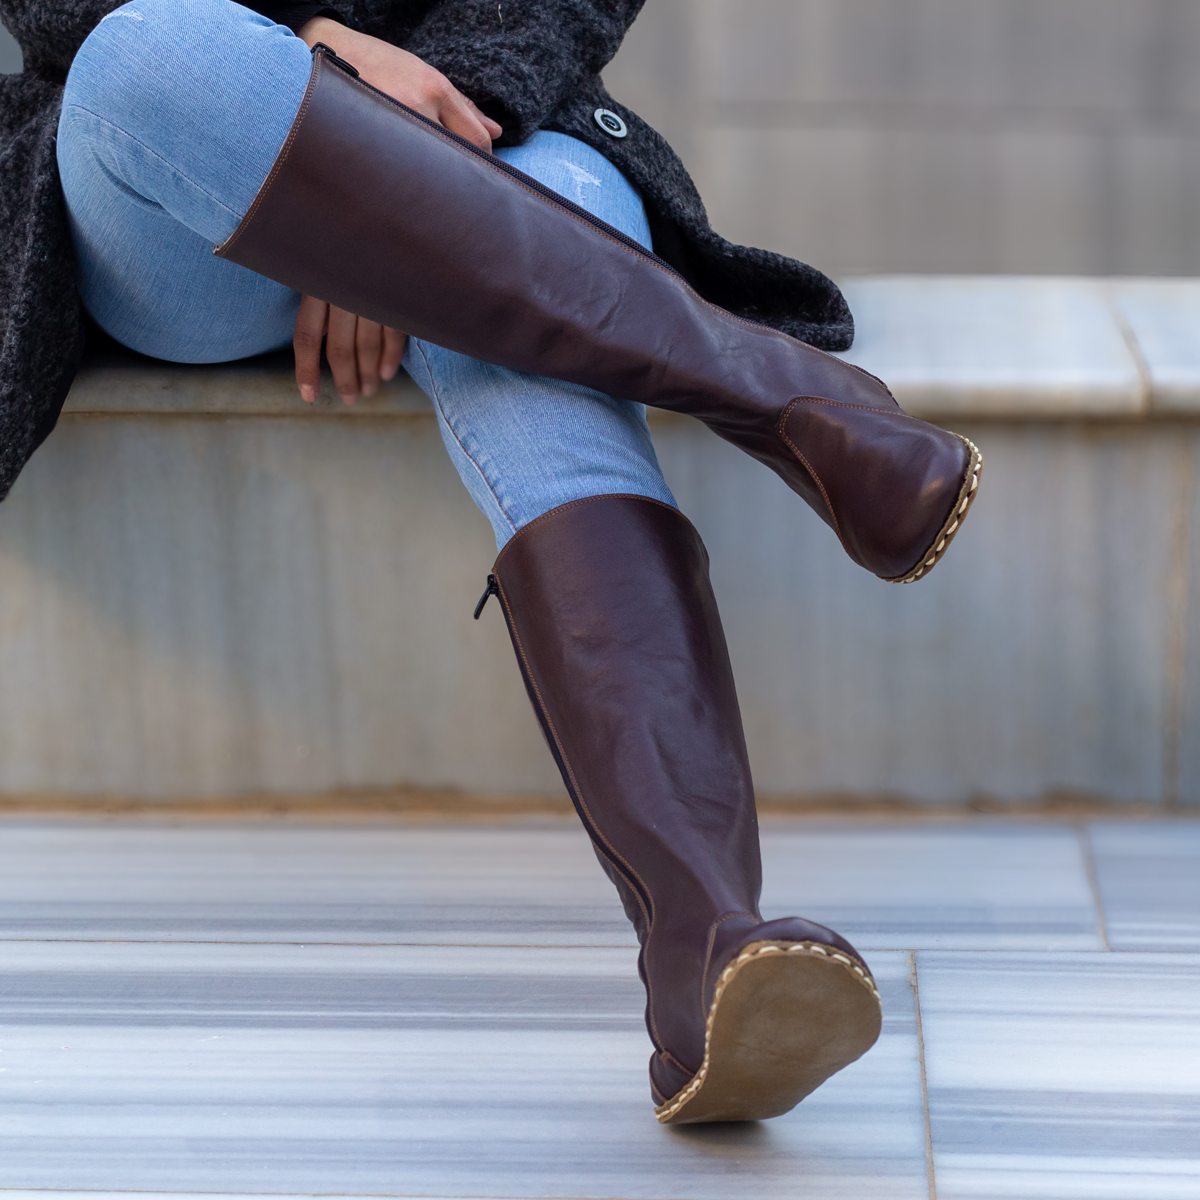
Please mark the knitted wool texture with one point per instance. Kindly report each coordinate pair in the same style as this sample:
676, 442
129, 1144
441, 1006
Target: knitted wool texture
530, 64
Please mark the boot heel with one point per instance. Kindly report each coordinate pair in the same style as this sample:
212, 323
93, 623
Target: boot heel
784, 1018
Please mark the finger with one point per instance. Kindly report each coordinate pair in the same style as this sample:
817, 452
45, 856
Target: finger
494, 130
394, 345
368, 345
458, 115
339, 349
306, 342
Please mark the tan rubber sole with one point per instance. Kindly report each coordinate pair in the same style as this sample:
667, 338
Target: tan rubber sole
958, 514
785, 1016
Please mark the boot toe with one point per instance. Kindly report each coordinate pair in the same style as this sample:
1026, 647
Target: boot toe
892, 485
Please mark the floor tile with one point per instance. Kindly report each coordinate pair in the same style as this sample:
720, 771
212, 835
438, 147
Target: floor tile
985, 886
1149, 875
306, 882
406, 1071
1063, 1075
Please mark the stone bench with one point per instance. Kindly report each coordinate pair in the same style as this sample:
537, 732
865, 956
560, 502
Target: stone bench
1032, 348
210, 589
1013, 348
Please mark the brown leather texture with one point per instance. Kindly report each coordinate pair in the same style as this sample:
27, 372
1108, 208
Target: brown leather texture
613, 619
911, 468
377, 211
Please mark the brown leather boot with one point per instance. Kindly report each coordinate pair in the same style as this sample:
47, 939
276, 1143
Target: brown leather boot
620, 644
377, 210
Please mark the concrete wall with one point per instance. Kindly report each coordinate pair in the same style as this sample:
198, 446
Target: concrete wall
10, 53
209, 590
1039, 136
227, 605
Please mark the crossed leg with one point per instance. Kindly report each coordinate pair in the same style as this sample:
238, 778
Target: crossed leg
172, 118
174, 112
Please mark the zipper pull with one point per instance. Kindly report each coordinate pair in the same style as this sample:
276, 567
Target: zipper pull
327, 51
493, 589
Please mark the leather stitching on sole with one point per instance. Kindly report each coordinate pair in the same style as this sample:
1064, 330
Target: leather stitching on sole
665, 1112
962, 505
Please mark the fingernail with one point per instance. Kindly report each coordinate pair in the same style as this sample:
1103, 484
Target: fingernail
308, 393
348, 397
388, 372
369, 389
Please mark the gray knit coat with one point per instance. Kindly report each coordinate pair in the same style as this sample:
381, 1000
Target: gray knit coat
531, 64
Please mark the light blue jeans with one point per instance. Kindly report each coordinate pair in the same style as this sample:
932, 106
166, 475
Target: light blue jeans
173, 114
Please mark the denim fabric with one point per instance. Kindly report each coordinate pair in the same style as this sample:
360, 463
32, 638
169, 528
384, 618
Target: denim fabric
173, 114
501, 427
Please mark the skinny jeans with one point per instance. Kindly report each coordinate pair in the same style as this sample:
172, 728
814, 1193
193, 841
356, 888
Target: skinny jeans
173, 115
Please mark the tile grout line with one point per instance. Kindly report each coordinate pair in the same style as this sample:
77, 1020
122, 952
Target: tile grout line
930, 1172
1088, 850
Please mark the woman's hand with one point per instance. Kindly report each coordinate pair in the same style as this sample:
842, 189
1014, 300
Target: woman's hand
360, 352
406, 78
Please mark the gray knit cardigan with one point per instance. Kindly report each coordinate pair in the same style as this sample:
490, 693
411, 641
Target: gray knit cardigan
530, 64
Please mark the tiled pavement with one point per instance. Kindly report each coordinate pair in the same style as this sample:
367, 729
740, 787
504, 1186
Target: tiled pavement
402, 1010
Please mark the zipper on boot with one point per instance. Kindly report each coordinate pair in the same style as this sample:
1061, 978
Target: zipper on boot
321, 48
491, 590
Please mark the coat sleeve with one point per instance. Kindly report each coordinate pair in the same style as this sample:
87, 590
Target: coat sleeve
295, 14
518, 59
50, 35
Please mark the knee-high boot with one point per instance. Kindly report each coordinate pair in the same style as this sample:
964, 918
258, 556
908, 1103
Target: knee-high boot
379, 211
618, 638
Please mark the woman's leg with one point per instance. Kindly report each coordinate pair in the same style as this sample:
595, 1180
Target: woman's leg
172, 117
605, 590
450, 246
524, 444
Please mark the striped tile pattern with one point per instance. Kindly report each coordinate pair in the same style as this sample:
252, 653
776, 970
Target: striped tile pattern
193, 1009
1063, 1075
1150, 884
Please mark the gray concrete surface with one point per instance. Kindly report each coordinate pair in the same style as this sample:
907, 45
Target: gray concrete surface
285, 1008
10, 53
210, 589
214, 606
1043, 136
1024, 136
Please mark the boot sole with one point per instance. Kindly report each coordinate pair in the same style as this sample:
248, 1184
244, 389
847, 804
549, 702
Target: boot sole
966, 497
785, 1017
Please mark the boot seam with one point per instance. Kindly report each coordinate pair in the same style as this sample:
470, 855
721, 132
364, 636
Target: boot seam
617, 858
712, 937
782, 428
280, 159
897, 412
669, 1057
